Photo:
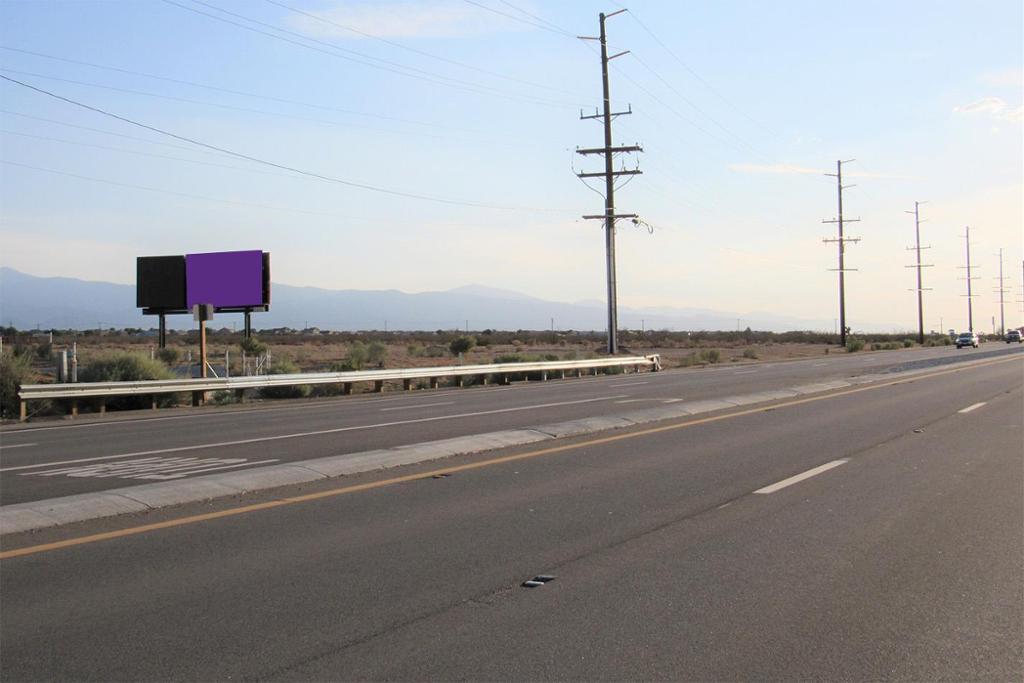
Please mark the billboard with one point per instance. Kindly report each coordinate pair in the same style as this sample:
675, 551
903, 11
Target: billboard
230, 281
160, 282
226, 279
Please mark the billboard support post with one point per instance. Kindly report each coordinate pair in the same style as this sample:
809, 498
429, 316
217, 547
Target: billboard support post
162, 336
248, 323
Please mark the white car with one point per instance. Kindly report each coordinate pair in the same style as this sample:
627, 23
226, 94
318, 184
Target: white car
967, 339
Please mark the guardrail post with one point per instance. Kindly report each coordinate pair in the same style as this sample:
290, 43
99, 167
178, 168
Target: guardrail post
483, 380
152, 401
103, 406
378, 386
240, 395
433, 382
544, 376
74, 407
504, 379
346, 388
407, 384
197, 398
458, 381
22, 412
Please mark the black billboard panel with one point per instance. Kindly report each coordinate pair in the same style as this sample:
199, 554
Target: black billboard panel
160, 282
266, 278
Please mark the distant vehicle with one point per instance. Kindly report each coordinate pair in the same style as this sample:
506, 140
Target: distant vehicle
967, 339
1013, 336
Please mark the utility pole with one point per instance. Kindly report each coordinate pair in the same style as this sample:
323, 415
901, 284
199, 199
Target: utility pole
969, 295
1002, 290
609, 174
841, 241
919, 266
1021, 299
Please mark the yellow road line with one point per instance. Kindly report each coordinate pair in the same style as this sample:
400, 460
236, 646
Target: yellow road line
195, 519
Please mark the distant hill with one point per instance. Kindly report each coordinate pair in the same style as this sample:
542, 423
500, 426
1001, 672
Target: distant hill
27, 302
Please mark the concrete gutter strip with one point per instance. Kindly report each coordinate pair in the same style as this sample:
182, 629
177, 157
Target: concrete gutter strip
78, 508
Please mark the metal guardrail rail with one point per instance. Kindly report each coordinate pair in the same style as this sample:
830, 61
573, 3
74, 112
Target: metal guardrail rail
198, 387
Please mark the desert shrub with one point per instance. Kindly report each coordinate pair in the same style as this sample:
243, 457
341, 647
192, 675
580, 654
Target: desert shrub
414, 350
168, 355
853, 345
711, 355
687, 361
283, 366
252, 346
376, 353
44, 351
127, 367
749, 353
907, 343
462, 345
223, 398
15, 370
435, 351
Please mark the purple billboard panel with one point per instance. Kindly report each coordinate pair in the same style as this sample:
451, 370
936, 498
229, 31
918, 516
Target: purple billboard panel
225, 279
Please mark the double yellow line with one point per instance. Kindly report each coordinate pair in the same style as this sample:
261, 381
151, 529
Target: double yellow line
292, 500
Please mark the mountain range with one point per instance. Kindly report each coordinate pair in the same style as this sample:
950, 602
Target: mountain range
31, 302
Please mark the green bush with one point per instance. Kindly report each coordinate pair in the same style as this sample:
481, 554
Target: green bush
283, 366
252, 346
907, 343
711, 355
168, 355
462, 344
376, 353
749, 353
15, 370
121, 366
853, 345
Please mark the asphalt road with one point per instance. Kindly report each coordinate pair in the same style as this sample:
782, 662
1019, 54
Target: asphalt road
873, 534
49, 460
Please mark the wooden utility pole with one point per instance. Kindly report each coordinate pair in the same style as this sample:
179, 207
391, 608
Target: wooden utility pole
841, 241
609, 174
920, 290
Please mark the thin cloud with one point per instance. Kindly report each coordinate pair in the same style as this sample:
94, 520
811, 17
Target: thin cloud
995, 107
1007, 78
358, 20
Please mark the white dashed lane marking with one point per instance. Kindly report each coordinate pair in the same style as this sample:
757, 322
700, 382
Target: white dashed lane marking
972, 407
800, 477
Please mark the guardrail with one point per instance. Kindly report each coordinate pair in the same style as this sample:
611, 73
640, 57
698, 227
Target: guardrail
199, 387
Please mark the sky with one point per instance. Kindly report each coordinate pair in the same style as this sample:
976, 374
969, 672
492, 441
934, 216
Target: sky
423, 146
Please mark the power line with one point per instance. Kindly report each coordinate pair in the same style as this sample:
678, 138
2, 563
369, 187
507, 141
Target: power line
160, 190
543, 27
229, 91
284, 167
414, 50
228, 107
344, 53
696, 75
